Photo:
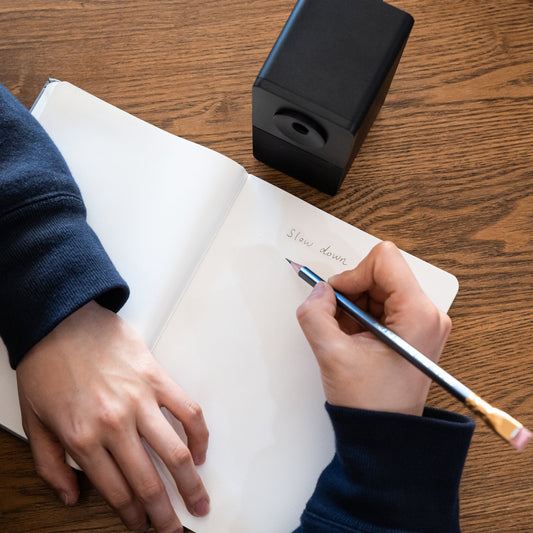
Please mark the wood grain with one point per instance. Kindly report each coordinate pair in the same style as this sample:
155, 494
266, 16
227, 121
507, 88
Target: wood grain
445, 172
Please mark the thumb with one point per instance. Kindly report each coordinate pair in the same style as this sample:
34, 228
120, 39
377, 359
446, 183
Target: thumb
49, 458
317, 318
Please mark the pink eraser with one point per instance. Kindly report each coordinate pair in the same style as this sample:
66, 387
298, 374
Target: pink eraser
520, 440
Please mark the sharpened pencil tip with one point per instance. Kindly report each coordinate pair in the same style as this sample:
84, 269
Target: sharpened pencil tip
294, 265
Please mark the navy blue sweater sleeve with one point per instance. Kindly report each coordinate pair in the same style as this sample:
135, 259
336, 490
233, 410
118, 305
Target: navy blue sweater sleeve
51, 262
391, 473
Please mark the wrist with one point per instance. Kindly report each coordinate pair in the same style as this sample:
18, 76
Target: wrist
376, 380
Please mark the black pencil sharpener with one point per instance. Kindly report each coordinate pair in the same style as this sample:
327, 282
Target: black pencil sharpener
323, 84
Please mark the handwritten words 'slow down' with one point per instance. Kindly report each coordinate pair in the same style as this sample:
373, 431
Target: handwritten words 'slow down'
299, 237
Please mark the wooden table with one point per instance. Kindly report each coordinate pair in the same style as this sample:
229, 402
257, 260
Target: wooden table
445, 172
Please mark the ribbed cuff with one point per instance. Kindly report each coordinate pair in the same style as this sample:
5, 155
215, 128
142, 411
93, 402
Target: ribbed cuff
393, 471
52, 263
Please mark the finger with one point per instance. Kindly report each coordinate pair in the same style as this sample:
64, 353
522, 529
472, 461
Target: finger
143, 478
189, 413
161, 436
317, 319
383, 272
49, 458
105, 475
316, 312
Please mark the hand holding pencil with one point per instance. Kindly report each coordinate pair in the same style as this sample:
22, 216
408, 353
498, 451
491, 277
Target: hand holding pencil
385, 313
357, 369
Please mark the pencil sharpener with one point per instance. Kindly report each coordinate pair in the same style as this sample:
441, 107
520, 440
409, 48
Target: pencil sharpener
323, 84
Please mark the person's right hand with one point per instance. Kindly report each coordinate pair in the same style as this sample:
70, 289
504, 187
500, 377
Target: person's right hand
92, 388
358, 370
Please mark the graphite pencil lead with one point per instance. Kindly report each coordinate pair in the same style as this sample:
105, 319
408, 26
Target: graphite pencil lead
294, 265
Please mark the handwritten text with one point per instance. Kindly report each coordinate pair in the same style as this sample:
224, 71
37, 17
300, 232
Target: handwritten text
301, 238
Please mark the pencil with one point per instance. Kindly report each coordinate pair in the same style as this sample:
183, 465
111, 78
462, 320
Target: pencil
500, 422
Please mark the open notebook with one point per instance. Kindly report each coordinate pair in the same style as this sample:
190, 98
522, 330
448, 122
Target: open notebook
203, 245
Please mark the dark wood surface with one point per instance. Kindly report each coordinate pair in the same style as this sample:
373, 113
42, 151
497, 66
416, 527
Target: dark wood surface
445, 172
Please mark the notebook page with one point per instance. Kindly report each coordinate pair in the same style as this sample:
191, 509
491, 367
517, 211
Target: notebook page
234, 344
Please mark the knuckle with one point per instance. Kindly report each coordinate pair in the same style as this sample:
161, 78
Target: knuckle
386, 247
113, 417
81, 439
151, 490
193, 418
195, 411
180, 456
446, 322
152, 373
196, 490
437, 320
120, 500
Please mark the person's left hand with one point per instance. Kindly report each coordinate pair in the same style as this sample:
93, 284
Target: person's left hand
92, 388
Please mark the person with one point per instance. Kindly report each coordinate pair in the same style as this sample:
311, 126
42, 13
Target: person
82, 371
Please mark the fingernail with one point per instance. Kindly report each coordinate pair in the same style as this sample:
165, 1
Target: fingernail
201, 508
64, 497
199, 459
